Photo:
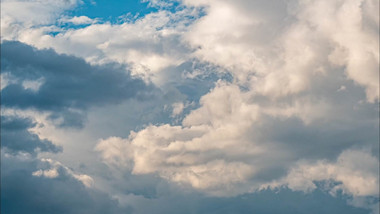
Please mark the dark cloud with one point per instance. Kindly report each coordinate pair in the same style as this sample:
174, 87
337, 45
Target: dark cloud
161, 196
21, 192
69, 85
284, 201
16, 137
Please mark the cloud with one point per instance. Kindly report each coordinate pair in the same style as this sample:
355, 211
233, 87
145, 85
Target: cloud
266, 201
161, 149
237, 141
64, 193
18, 15
284, 48
153, 43
60, 191
16, 137
78, 20
278, 48
356, 170
301, 84
70, 86
360, 21
178, 108
355, 173
56, 167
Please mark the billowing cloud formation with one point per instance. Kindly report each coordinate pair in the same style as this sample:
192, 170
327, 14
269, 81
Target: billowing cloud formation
355, 173
356, 170
278, 48
297, 112
226, 138
291, 71
62, 85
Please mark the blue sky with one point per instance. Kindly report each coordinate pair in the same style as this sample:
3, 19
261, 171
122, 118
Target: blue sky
111, 10
190, 106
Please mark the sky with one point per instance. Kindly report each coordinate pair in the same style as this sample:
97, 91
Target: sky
190, 106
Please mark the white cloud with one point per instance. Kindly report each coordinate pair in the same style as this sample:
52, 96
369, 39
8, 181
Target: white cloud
78, 20
53, 172
6, 79
148, 45
33, 85
177, 108
18, 15
115, 151
225, 138
274, 50
355, 171
351, 27
215, 141
200, 152
278, 50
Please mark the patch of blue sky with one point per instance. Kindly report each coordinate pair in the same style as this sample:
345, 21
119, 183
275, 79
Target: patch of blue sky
119, 11
105, 11
111, 11
102, 11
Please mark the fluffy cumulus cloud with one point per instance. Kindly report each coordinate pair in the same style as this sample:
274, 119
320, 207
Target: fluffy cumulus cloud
354, 173
289, 67
196, 153
217, 105
286, 44
223, 147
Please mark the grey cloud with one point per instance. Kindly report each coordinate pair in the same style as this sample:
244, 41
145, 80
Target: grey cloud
346, 121
151, 194
16, 137
21, 192
70, 86
283, 201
